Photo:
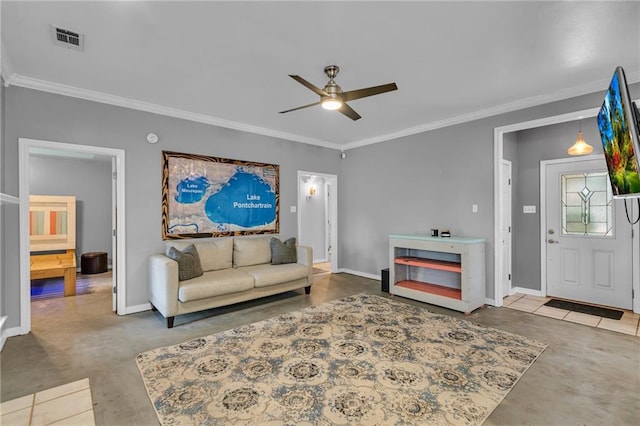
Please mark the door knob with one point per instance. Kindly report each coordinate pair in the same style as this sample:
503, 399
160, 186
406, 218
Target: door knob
552, 241
550, 231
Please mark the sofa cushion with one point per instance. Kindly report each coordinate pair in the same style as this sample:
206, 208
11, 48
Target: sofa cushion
215, 254
215, 283
267, 275
282, 253
251, 251
188, 262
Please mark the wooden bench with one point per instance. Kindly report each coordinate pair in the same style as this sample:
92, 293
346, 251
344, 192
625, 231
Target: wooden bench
56, 265
52, 223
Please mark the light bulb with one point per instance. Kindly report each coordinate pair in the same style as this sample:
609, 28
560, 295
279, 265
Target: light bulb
580, 147
331, 103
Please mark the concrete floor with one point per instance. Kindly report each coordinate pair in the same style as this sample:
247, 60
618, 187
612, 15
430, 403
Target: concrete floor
587, 376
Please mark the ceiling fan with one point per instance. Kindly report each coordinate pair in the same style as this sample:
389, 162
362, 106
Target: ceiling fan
333, 98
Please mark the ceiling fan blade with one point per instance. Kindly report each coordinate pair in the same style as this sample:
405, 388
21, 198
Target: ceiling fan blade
308, 85
349, 112
369, 91
304, 106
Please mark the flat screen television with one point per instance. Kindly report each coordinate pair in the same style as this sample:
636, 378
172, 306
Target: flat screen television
618, 125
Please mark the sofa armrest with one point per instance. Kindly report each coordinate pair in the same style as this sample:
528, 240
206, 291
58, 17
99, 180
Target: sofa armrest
305, 257
163, 284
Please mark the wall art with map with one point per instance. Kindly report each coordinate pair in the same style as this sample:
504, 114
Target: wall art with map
216, 197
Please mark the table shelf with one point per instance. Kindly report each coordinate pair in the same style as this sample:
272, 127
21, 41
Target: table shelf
453, 293
429, 263
440, 271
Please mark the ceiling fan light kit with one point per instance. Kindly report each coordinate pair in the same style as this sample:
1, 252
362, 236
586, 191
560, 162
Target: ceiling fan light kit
331, 104
333, 98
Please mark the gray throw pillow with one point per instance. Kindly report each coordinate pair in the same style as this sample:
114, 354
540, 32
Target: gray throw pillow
282, 253
188, 262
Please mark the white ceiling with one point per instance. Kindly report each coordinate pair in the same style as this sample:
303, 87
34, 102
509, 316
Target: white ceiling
227, 63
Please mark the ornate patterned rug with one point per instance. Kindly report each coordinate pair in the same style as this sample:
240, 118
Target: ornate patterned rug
358, 360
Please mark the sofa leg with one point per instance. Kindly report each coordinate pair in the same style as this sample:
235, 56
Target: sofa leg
307, 289
170, 322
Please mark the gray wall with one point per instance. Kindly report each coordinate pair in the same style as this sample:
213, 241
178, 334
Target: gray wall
9, 221
90, 182
533, 146
430, 180
39, 115
413, 184
409, 184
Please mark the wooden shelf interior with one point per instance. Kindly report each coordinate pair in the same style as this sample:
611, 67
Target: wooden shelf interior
429, 263
453, 293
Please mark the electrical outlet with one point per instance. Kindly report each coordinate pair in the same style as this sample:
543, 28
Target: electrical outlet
528, 209
474, 208
293, 209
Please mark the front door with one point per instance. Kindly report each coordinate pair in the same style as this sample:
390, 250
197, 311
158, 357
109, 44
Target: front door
588, 238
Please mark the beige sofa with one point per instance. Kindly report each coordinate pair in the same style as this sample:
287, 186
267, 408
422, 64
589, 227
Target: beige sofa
234, 270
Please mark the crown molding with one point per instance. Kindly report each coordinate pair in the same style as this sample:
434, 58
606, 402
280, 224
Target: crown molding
11, 78
90, 95
6, 68
533, 101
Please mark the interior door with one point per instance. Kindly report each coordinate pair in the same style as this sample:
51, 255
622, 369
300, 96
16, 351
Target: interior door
588, 239
327, 215
505, 232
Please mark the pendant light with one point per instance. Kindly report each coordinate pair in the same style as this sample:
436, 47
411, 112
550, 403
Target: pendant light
580, 147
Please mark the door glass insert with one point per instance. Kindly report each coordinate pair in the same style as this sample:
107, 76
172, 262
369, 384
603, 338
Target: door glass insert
587, 205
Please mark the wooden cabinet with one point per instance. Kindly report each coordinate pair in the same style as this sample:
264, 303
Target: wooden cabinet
448, 272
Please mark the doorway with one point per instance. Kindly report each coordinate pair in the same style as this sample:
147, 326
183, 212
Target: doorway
318, 216
588, 244
502, 134
27, 147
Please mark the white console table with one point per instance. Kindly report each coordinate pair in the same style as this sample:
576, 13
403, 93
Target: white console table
443, 271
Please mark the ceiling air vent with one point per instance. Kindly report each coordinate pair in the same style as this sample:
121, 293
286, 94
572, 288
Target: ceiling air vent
67, 38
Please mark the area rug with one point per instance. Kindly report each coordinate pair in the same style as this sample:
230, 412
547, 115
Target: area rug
362, 359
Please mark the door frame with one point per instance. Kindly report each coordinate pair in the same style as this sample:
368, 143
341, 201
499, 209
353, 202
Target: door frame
498, 155
332, 212
119, 258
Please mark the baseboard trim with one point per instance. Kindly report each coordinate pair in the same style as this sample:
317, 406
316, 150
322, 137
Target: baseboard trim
488, 301
360, 274
524, 290
10, 332
2, 338
137, 308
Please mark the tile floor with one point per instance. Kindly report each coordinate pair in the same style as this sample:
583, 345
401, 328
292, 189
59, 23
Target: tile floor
69, 404
628, 324
322, 268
